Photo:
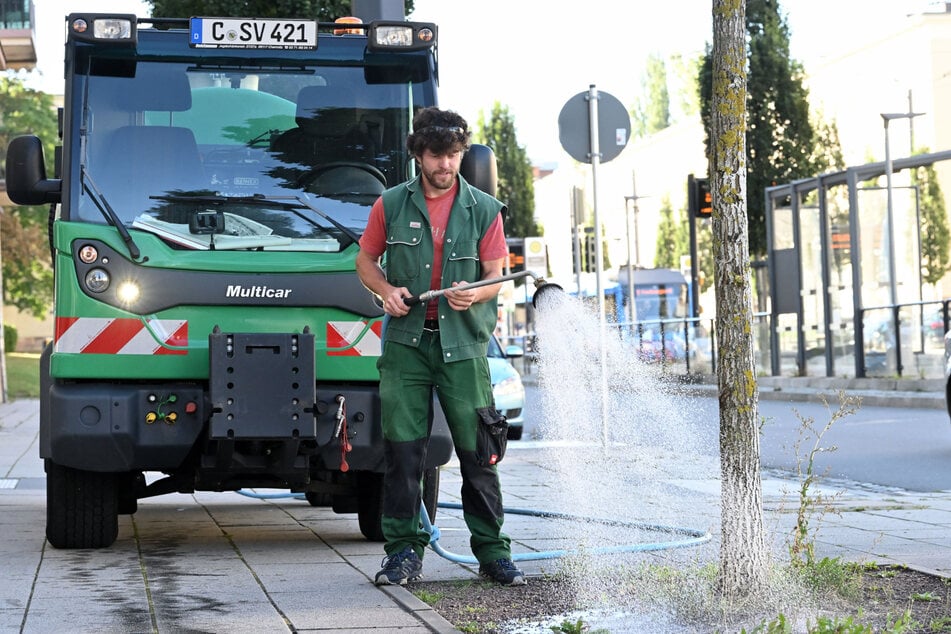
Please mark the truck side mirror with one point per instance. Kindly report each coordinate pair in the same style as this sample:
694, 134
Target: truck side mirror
26, 174
479, 169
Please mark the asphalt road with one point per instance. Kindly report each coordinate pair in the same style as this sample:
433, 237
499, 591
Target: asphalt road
884, 446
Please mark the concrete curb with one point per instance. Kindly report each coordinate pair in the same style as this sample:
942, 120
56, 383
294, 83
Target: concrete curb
423, 611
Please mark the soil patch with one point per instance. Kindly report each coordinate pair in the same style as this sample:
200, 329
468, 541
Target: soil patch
882, 596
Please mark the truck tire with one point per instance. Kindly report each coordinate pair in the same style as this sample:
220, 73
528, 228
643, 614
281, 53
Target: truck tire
370, 510
82, 507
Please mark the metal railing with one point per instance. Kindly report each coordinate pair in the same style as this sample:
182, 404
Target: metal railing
905, 340
685, 345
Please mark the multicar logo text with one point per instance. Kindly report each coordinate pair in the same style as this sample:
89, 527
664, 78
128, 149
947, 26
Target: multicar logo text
237, 290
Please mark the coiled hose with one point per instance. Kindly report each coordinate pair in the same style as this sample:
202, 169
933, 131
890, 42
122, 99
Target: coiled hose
690, 537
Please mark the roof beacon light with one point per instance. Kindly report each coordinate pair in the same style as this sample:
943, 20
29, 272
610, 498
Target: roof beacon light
348, 20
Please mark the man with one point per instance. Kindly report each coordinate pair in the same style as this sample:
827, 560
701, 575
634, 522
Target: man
437, 232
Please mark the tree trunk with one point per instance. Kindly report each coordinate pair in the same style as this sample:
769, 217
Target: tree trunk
744, 558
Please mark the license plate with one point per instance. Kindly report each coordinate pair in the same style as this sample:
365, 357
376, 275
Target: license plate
258, 33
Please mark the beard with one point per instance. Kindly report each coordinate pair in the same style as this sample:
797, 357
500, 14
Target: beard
440, 179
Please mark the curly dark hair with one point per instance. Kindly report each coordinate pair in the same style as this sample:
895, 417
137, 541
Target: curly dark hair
438, 131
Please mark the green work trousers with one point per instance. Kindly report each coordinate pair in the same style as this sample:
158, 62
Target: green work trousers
407, 378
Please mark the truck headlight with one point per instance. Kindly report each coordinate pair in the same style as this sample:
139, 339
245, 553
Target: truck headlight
97, 280
127, 292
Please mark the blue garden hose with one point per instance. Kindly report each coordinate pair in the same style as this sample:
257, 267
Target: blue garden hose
692, 537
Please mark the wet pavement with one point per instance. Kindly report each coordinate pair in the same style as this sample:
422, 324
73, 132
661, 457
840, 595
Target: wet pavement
224, 562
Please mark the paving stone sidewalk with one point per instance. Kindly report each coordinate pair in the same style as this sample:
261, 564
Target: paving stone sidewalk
226, 562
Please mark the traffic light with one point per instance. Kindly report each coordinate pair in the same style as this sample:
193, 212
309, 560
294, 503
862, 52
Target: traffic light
699, 199
516, 261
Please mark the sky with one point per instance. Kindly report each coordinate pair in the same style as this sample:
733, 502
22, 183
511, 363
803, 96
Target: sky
532, 56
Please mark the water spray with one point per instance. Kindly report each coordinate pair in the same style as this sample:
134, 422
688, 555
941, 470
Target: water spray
670, 536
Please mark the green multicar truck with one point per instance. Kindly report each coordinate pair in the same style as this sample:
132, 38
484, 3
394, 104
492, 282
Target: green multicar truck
212, 179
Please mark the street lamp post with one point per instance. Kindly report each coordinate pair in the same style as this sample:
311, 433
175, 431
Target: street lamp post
637, 245
889, 213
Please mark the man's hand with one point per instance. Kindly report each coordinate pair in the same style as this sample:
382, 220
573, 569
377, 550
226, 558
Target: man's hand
461, 300
393, 303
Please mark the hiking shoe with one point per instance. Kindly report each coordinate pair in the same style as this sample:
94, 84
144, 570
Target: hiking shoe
503, 571
399, 568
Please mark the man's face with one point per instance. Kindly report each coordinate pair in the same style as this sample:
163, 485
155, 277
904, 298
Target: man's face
440, 170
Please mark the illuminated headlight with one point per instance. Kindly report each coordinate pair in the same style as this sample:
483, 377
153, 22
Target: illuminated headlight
509, 386
97, 280
127, 292
112, 29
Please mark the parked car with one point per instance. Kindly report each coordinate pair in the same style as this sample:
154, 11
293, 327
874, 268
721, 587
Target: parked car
507, 385
933, 324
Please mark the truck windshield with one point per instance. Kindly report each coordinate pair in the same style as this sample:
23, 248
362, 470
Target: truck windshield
164, 144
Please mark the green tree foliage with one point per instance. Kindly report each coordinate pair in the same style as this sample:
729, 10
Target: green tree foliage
827, 148
652, 113
673, 239
322, 10
684, 82
516, 177
935, 235
705, 269
779, 134
27, 274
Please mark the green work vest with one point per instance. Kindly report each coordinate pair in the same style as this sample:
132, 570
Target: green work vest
409, 254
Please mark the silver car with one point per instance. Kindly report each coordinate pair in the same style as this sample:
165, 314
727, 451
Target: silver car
507, 385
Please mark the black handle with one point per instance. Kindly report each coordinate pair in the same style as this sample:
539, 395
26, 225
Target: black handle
411, 301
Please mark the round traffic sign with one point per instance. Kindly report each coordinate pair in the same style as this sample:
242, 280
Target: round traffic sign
574, 126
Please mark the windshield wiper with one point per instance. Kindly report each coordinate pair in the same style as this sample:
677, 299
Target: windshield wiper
89, 185
291, 203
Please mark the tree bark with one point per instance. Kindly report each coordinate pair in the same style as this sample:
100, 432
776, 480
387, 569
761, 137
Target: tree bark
744, 558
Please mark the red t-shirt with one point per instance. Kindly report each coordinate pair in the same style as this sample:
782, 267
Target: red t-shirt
491, 247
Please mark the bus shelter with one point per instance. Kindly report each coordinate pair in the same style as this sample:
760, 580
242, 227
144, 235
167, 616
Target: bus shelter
845, 280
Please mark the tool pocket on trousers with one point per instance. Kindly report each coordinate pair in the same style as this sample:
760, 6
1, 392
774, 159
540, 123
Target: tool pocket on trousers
492, 436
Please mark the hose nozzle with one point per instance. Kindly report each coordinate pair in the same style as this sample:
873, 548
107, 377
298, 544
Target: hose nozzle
541, 287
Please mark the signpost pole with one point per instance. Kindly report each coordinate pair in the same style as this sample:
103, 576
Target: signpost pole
595, 154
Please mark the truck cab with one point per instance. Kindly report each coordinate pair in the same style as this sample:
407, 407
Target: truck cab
213, 178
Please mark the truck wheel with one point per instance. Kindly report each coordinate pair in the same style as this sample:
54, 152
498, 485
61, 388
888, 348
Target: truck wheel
370, 513
82, 507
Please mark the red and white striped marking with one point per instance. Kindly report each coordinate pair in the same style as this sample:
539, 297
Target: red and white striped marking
103, 335
341, 334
